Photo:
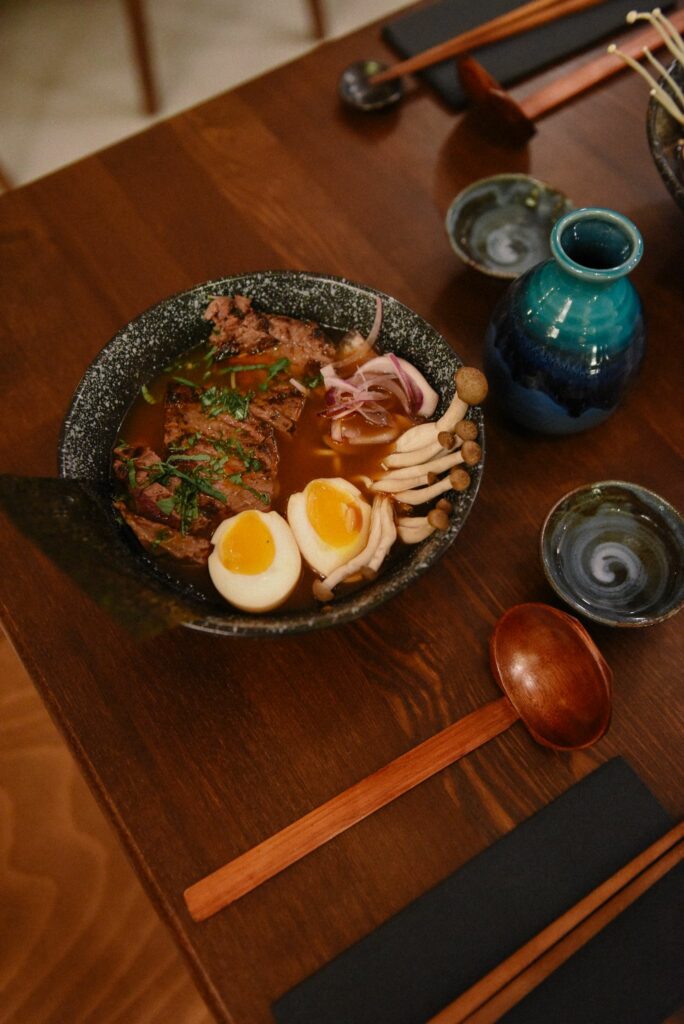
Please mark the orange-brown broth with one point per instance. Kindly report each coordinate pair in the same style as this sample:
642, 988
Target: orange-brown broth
303, 455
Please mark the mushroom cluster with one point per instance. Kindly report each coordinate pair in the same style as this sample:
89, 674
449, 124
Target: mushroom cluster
430, 459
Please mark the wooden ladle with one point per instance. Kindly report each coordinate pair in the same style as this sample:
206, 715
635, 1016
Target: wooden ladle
554, 679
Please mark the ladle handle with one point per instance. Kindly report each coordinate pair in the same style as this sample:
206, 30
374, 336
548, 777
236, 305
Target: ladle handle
250, 869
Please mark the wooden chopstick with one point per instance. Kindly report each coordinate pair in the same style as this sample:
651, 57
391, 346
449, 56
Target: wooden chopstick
520, 19
509, 982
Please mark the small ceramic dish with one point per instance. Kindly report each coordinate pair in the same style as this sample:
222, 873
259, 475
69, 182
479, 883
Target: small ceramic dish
502, 225
664, 138
614, 552
358, 92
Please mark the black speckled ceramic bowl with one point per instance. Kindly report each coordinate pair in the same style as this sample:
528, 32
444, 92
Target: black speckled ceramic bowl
614, 552
502, 225
145, 346
663, 135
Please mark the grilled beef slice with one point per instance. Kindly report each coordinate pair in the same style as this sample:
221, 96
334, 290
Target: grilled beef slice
225, 454
224, 466
240, 330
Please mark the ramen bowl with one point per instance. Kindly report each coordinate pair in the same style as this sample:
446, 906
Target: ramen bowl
614, 552
141, 350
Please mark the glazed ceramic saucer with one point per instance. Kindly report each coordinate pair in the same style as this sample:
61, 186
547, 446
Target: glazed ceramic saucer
501, 225
614, 552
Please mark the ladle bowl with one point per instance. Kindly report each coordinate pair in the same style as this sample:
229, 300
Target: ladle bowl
555, 680
553, 674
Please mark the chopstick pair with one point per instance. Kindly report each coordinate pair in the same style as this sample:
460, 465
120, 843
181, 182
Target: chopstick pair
514, 978
520, 19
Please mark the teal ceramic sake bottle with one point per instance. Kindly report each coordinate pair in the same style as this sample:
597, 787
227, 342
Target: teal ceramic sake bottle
568, 336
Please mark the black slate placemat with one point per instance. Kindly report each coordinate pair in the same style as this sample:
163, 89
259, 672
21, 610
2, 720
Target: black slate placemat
508, 60
421, 959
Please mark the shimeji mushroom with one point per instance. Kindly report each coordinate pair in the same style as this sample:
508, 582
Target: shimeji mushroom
445, 442
470, 454
381, 537
471, 389
457, 480
413, 529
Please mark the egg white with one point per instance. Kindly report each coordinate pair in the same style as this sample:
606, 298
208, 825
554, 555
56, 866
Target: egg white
258, 592
323, 557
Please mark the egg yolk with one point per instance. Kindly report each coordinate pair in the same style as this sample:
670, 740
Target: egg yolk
334, 515
248, 548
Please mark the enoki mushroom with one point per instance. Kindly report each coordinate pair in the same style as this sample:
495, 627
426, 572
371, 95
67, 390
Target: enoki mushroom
672, 101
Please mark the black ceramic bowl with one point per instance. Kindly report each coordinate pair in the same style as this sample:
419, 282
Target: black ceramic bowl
149, 343
663, 134
614, 551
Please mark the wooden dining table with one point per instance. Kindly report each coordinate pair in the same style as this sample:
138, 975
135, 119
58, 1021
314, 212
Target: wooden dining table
198, 746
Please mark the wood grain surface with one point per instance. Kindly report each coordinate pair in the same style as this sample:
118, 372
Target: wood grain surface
81, 943
200, 747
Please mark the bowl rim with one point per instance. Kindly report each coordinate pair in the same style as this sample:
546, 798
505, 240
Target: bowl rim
565, 594
359, 602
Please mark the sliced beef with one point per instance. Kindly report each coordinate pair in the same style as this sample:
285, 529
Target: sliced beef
221, 453
239, 329
160, 538
247, 447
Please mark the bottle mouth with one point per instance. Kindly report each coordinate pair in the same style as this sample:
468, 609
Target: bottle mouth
596, 244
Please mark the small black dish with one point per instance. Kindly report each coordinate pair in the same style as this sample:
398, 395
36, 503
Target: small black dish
158, 336
356, 90
614, 552
664, 139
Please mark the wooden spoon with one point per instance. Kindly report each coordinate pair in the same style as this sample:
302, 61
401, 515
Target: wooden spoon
555, 680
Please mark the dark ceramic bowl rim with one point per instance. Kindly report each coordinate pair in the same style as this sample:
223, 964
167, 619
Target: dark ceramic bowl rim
598, 213
458, 203
567, 595
376, 592
656, 113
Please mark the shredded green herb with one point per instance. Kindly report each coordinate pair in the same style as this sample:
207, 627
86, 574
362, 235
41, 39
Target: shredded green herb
274, 368
216, 400
184, 380
149, 398
313, 382
166, 505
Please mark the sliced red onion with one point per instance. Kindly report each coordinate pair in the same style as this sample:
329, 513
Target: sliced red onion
413, 393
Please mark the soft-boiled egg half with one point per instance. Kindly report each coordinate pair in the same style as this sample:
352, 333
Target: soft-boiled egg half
330, 519
255, 563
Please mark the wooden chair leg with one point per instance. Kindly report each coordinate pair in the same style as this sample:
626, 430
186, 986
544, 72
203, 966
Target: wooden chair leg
316, 10
5, 183
138, 29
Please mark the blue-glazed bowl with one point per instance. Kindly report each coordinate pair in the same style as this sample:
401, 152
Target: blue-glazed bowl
501, 225
614, 552
567, 338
